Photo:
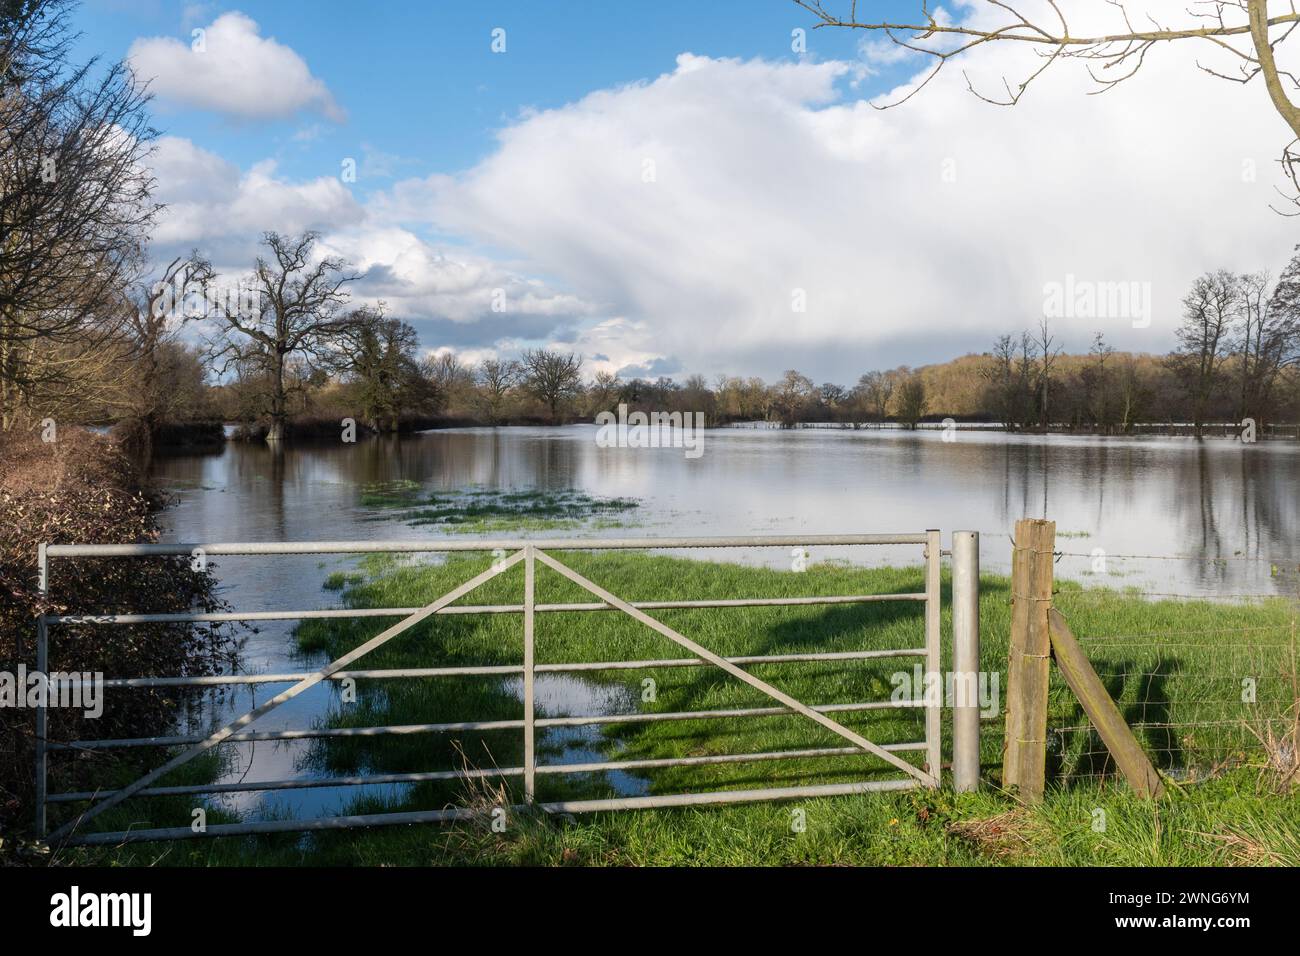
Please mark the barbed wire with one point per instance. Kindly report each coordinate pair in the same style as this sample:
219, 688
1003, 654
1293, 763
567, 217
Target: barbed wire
1179, 557
1112, 594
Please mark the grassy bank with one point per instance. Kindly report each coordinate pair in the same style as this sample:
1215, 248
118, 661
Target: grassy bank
1225, 811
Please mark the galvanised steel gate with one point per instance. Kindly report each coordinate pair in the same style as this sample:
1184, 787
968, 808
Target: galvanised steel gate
531, 553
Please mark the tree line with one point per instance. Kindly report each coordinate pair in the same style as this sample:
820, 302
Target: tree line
91, 332
1238, 347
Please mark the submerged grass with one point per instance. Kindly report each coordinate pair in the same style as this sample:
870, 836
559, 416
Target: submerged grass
1166, 659
481, 511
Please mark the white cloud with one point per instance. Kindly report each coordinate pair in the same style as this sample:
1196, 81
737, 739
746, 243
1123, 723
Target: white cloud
622, 343
455, 298
915, 233
231, 69
419, 281
212, 204
466, 356
766, 182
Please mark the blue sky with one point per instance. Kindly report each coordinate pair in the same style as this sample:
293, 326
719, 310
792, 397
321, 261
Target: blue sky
420, 82
667, 187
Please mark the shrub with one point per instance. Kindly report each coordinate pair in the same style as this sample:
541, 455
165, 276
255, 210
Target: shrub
83, 489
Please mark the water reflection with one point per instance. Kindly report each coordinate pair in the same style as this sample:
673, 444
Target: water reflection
1216, 517
1216, 499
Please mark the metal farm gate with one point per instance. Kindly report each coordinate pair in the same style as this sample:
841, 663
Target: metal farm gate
531, 553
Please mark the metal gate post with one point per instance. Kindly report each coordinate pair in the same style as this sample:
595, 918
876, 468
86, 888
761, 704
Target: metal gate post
932, 693
42, 714
966, 660
530, 716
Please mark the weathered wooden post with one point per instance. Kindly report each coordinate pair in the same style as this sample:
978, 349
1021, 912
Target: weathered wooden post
1102, 711
1024, 758
965, 660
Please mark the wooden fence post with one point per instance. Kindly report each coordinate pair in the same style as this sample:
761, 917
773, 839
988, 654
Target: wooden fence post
1024, 757
1102, 711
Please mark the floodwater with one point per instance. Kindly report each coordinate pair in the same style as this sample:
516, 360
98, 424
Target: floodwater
1168, 516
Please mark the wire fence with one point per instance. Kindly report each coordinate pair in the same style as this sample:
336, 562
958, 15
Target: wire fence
1206, 681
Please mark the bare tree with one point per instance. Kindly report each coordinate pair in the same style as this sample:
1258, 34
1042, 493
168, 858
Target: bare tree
695, 396
1247, 342
495, 379
1048, 352
446, 380
876, 389
299, 317
1248, 32
791, 396
1013, 376
1096, 377
1130, 392
1000, 376
911, 400
552, 377
1269, 341
155, 314
603, 392
75, 201
1209, 311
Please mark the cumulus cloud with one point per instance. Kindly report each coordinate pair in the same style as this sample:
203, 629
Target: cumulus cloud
627, 348
213, 204
454, 298
755, 215
420, 281
750, 216
230, 68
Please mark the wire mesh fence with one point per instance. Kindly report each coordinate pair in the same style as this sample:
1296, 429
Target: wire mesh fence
1206, 681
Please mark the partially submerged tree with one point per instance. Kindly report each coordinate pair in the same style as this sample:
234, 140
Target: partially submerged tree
1209, 311
383, 371
911, 400
1048, 351
299, 316
791, 396
1267, 339
1096, 378
873, 392
1012, 376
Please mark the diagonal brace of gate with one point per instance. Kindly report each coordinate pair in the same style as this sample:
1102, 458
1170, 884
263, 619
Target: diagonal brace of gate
305, 684
801, 708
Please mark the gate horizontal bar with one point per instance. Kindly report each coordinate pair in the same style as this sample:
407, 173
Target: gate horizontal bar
440, 545
328, 613
498, 669
448, 815
249, 736
303, 783
100, 801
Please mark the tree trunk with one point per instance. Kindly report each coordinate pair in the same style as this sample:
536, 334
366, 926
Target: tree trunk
279, 403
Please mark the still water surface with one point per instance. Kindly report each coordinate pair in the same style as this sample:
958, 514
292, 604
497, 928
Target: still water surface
1214, 518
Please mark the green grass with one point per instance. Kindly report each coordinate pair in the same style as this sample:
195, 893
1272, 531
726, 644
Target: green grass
1167, 663
489, 511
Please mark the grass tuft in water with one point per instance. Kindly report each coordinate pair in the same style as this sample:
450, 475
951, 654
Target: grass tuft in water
480, 511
